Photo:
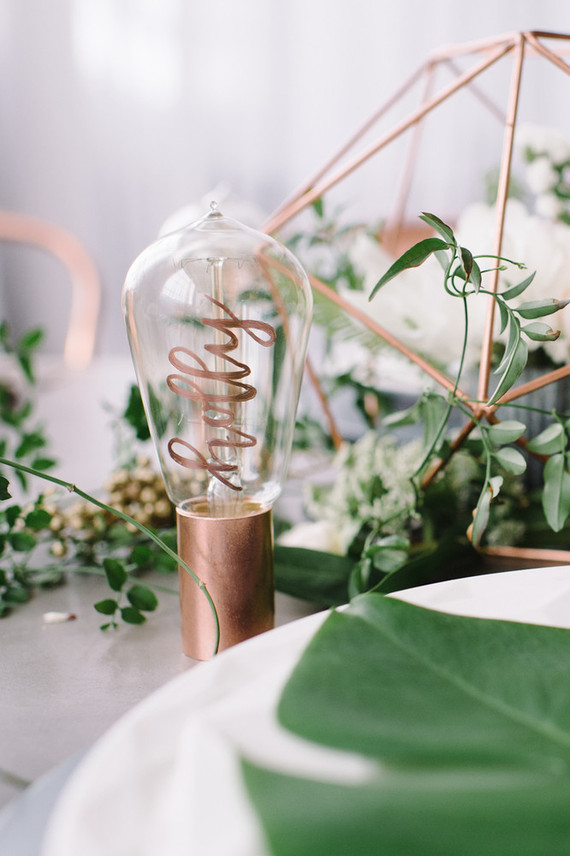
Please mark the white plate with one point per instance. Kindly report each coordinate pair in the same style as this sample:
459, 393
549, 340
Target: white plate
166, 779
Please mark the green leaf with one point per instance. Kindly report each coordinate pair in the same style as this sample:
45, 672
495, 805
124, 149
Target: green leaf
4, 485
387, 559
515, 290
43, 463
12, 513
483, 509
538, 331
29, 443
31, 339
539, 308
135, 415
444, 230
116, 573
505, 432
476, 277
513, 370
434, 410
462, 723
142, 598
551, 440
132, 615
504, 315
318, 207
38, 519
413, 257
512, 342
409, 416
16, 594
21, 542
26, 366
466, 262
556, 492
320, 578
107, 606
481, 518
141, 554
511, 460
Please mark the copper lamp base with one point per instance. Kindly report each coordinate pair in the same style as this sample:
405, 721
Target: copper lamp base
233, 556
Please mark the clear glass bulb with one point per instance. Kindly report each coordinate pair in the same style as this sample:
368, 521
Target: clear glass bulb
218, 318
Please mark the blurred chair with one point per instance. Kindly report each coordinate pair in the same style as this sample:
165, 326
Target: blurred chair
85, 283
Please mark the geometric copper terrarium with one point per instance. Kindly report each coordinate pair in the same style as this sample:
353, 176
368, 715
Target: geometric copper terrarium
517, 48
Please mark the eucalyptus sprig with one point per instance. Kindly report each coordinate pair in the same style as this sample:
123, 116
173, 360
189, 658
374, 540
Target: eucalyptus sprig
119, 582
463, 277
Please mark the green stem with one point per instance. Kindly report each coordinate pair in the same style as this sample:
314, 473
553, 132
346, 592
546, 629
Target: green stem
72, 488
453, 395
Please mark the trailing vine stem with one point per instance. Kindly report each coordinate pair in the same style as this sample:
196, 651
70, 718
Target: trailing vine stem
72, 488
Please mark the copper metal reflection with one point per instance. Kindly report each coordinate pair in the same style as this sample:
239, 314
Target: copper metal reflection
233, 556
187, 385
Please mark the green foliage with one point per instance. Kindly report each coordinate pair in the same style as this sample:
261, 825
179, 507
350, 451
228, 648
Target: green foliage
462, 279
20, 437
460, 722
134, 414
321, 578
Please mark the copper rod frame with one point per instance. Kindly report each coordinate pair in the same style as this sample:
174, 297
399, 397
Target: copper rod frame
284, 215
500, 208
312, 190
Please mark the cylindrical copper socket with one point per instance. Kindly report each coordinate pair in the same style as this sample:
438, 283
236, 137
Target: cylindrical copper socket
233, 556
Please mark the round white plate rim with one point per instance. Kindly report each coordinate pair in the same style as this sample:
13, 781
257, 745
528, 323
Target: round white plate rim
529, 595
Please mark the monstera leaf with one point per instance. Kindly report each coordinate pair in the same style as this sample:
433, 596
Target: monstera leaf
466, 722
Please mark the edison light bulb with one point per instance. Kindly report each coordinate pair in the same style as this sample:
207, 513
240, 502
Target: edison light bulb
218, 319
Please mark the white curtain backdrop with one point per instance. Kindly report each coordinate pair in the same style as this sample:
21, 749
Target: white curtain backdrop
115, 113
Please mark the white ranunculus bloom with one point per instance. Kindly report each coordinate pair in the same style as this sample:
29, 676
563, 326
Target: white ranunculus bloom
321, 535
541, 175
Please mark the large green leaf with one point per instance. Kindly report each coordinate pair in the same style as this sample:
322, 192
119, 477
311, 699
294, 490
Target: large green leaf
321, 578
469, 720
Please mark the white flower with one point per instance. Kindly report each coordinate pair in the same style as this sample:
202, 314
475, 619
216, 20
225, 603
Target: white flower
415, 307
370, 259
541, 175
542, 246
548, 205
320, 535
544, 141
373, 483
